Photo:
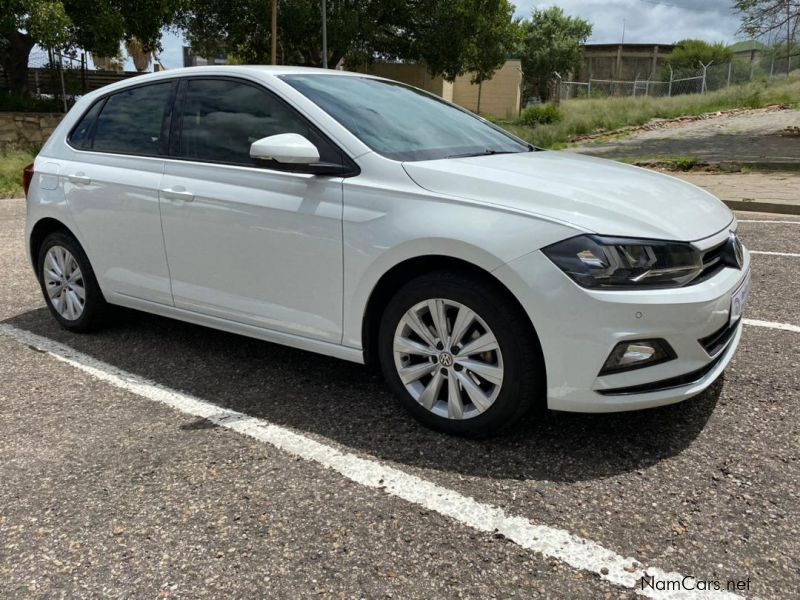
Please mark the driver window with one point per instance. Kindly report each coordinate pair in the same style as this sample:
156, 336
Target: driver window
220, 118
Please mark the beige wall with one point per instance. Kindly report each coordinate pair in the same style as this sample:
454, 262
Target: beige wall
410, 73
500, 95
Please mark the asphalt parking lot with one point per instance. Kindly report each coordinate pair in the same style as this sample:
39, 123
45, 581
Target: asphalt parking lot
161, 459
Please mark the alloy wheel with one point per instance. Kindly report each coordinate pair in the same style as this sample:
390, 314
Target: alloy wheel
64, 283
448, 358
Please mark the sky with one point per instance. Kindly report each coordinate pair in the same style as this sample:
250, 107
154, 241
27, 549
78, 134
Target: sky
648, 21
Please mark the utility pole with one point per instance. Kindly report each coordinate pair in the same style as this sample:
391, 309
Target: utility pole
788, 37
274, 36
324, 36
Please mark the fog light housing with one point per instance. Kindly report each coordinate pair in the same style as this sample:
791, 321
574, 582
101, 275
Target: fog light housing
636, 354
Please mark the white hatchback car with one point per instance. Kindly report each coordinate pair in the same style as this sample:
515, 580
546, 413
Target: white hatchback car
367, 220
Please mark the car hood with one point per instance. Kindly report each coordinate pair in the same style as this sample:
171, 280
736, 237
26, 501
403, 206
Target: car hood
593, 194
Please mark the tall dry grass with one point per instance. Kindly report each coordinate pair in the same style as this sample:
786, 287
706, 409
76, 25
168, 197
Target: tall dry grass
596, 115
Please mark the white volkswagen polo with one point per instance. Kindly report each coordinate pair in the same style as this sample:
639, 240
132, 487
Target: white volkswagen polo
371, 221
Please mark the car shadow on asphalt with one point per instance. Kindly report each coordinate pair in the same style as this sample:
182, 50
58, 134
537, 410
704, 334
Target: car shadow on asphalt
349, 404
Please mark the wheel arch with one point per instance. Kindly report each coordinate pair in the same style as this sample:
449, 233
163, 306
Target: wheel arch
410, 268
44, 227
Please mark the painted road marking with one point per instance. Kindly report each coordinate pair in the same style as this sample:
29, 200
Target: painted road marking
792, 254
772, 325
577, 552
757, 221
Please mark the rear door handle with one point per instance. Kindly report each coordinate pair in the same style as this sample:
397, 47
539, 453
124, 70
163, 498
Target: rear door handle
177, 193
79, 178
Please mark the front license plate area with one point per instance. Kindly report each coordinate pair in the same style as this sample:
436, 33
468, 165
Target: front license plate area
739, 300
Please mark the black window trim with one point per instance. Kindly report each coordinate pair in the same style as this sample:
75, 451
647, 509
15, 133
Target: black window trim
177, 125
166, 117
168, 148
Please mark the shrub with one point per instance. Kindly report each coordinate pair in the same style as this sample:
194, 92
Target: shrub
14, 103
544, 114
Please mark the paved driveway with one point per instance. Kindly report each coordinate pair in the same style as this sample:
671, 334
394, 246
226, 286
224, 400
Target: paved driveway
161, 459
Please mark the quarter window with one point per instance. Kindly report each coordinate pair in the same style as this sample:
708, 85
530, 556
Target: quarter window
81, 134
131, 121
221, 118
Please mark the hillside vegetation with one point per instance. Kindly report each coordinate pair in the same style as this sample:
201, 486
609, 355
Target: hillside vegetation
598, 115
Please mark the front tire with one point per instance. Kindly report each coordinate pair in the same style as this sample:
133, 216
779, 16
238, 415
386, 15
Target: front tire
68, 284
460, 354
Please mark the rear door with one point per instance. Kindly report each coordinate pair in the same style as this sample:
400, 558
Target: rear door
249, 244
111, 185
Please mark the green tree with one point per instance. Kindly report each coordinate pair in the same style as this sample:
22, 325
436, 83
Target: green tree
495, 37
777, 18
440, 32
551, 43
95, 25
689, 56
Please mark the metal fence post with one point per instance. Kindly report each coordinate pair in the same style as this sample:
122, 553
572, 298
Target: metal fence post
63, 87
589, 89
730, 72
671, 77
705, 74
83, 72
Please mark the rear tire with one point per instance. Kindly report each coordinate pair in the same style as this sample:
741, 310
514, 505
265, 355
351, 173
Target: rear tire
69, 285
488, 350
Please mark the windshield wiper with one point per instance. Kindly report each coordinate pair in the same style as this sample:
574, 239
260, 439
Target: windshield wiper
486, 152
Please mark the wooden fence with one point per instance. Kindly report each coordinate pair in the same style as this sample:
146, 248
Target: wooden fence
77, 81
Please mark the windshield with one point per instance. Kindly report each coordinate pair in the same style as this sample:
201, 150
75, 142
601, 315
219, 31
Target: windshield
401, 122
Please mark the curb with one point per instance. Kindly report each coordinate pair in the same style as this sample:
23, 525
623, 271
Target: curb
765, 207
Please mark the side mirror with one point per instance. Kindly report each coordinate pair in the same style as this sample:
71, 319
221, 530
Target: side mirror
286, 148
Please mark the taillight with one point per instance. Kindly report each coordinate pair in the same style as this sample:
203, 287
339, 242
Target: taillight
27, 175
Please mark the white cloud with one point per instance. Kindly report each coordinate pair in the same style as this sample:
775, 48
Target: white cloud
649, 21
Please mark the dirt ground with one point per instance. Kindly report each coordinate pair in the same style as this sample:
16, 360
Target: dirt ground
766, 187
752, 136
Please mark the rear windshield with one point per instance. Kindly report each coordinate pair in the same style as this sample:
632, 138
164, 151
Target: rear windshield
401, 122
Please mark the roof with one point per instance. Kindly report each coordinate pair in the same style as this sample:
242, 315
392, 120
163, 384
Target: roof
747, 46
628, 45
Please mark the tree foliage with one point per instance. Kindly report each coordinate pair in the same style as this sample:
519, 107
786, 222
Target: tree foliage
777, 18
443, 33
95, 25
762, 17
689, 56
551, 42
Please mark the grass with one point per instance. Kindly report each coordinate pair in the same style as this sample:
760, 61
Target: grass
11, 165
605, 115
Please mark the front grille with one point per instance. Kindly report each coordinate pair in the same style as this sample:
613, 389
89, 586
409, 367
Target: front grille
713, 262
719, 339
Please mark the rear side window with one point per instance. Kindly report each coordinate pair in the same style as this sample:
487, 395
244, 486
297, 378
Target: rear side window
81, 135
131, 121
220, 118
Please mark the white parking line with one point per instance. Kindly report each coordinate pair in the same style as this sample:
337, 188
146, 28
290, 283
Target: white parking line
791, 254
579, 553
772, 325
758, 221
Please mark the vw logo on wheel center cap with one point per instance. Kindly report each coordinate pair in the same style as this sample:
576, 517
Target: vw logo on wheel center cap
446, 359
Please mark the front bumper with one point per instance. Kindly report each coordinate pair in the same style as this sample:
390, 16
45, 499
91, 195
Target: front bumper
578, 328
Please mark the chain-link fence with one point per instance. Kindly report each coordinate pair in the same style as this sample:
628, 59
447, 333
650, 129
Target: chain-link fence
685, 81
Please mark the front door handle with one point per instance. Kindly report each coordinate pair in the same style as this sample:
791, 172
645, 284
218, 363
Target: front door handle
79, 178
178, 193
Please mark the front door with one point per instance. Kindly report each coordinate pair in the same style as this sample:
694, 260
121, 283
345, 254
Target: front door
248, 244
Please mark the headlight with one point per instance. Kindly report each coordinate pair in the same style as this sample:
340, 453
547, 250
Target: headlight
604, 262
